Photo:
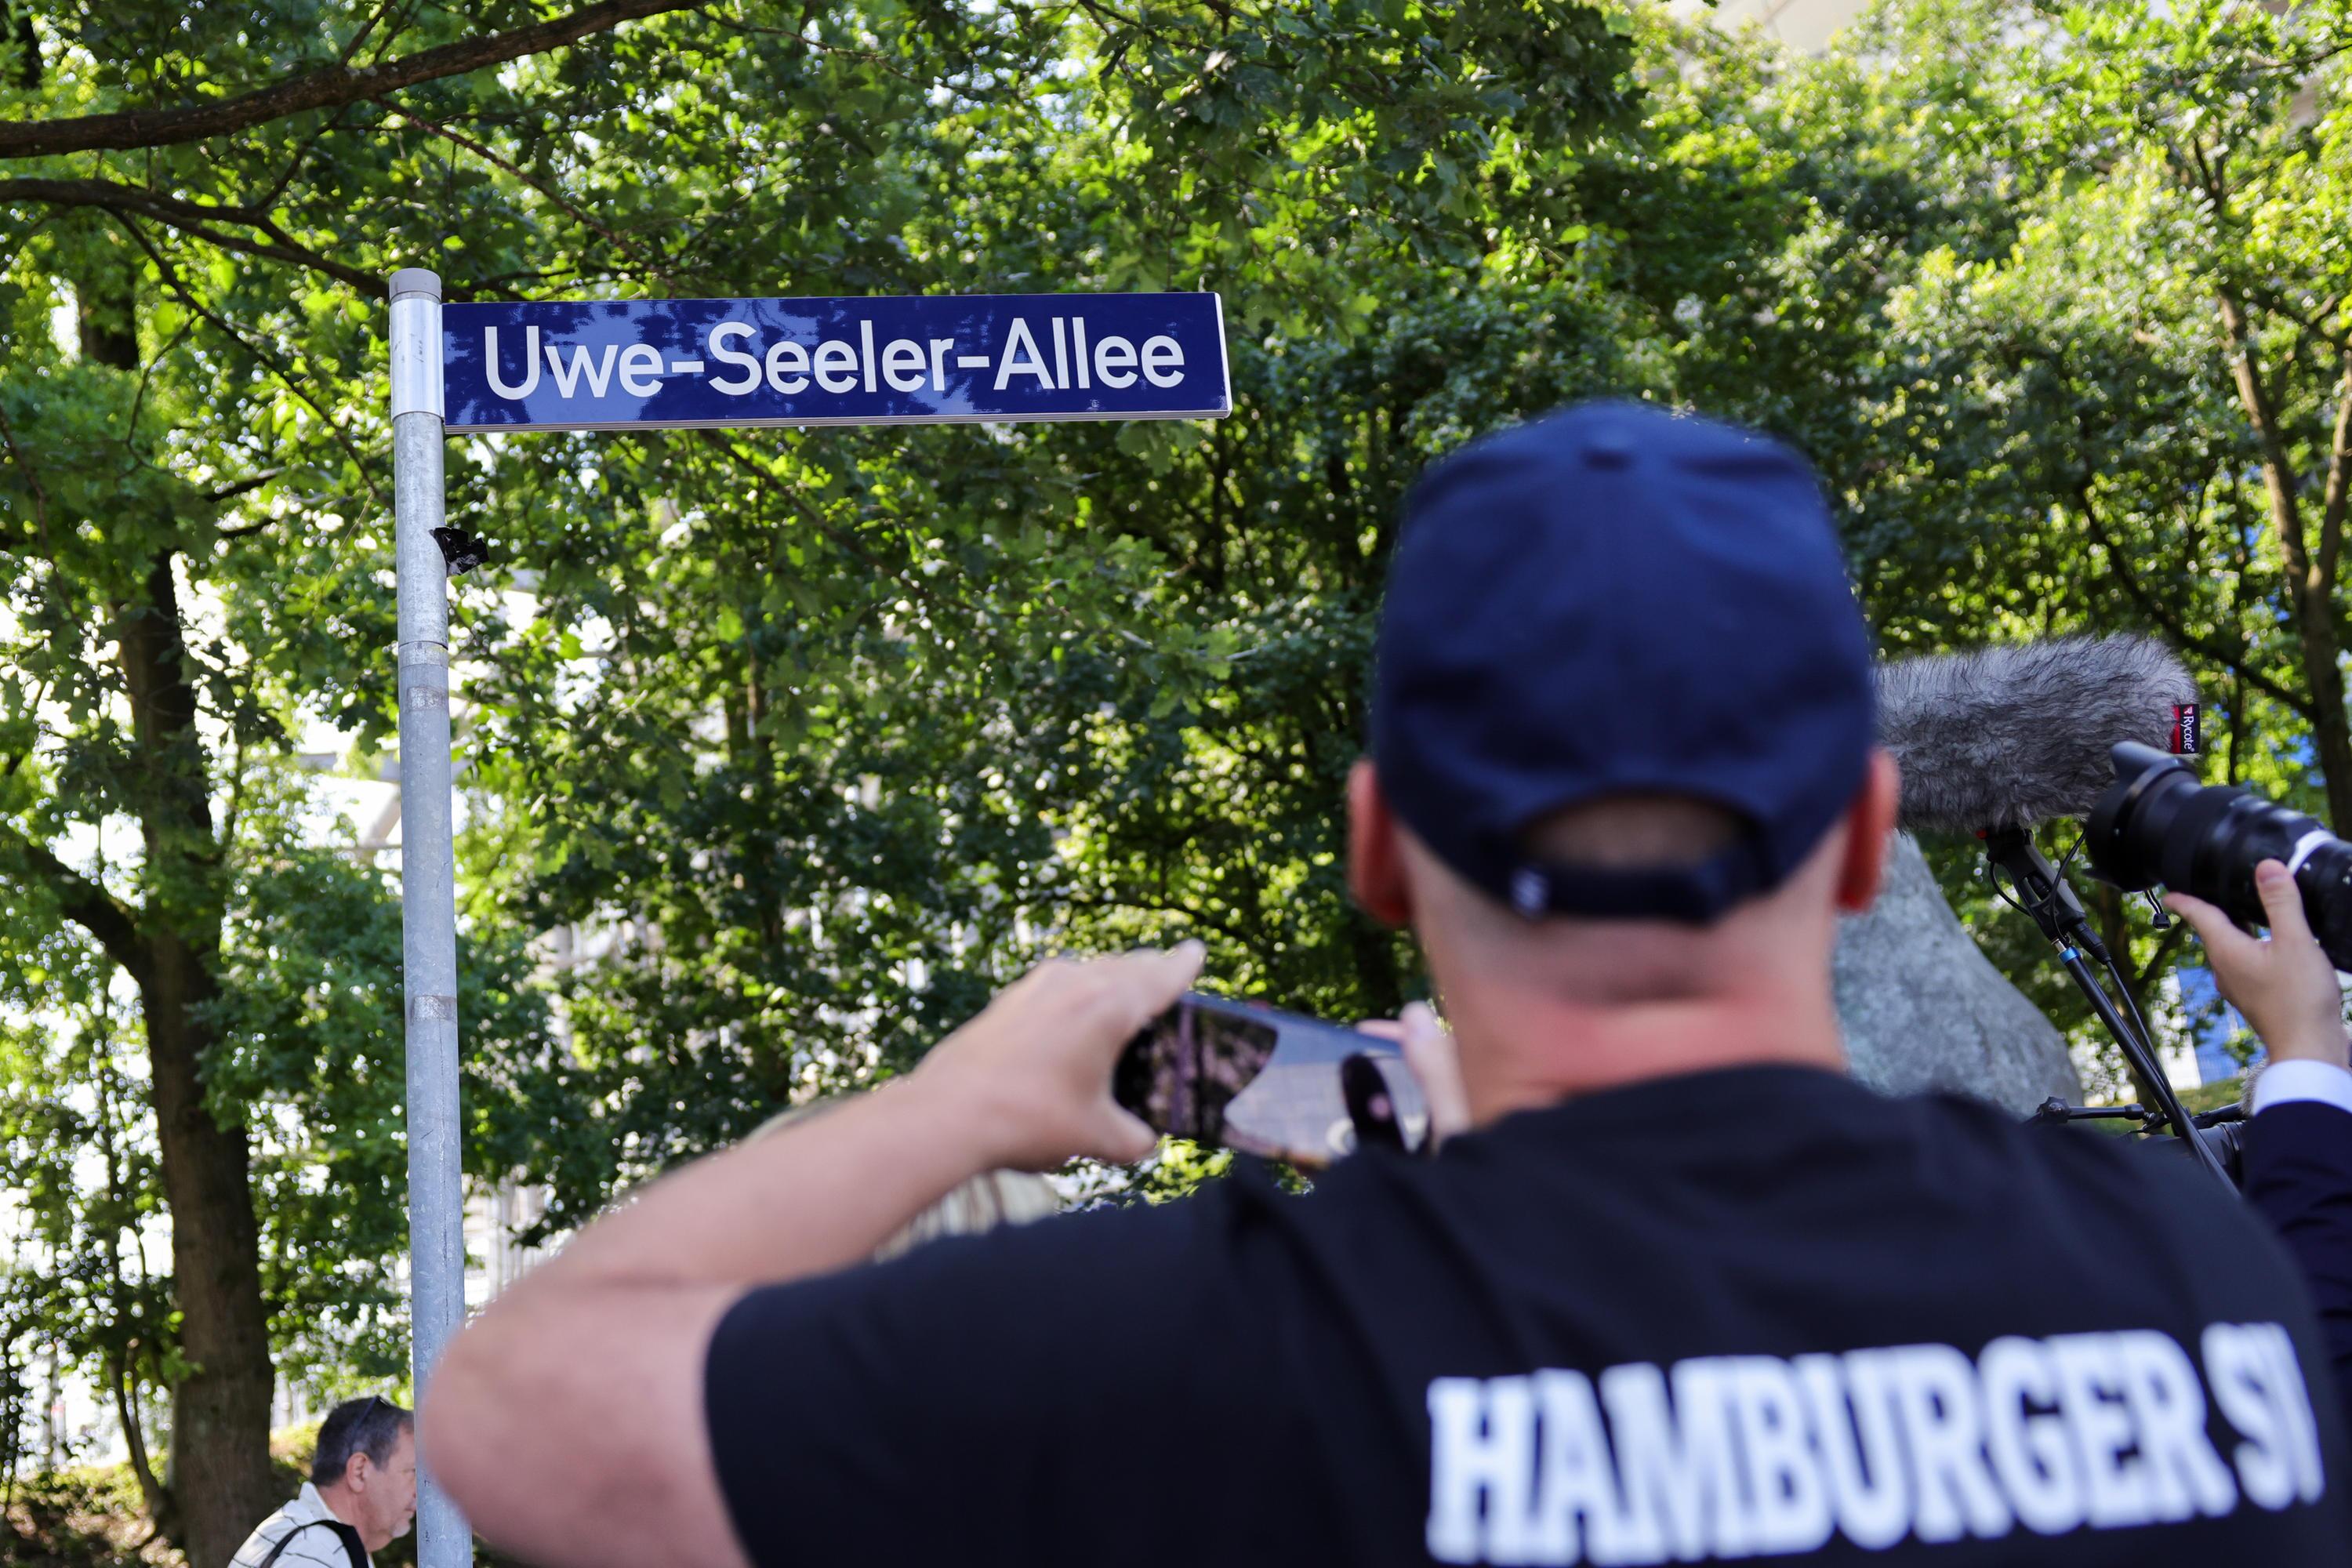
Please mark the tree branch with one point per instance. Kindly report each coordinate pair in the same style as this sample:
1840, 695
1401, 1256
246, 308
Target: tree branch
194, 218
879, 61
231, 491
2165, 947
173, 281
302, 152
34, 708
2120, 563
2262, 412
152, 1491
2339, 478
330, 87
1114, 899
79, 900
652, 264
2314, 322
146, 375
32, 478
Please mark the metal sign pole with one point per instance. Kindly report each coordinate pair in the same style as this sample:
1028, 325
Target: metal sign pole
428, 878
679, 365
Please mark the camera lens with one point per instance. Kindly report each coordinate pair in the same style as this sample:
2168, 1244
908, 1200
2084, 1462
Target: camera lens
2157, 823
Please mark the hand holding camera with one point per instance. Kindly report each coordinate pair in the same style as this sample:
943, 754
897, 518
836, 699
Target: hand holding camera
2286, 984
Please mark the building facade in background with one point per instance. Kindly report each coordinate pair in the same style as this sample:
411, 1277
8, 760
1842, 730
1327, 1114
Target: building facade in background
1804, 25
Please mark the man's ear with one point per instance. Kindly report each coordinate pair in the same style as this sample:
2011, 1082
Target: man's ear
356, 1469
1870, 834
1375, 856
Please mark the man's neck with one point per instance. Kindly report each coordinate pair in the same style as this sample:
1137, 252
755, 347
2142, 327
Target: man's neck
341, 1504
1524, 1050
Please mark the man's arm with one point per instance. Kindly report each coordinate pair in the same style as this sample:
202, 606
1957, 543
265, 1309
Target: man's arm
2298, 1176
2298, 1146
567, 1420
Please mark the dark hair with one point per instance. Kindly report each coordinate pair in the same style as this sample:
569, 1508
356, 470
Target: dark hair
372, 1426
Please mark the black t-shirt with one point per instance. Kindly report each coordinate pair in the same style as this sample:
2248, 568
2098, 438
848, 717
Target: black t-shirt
1746, 1313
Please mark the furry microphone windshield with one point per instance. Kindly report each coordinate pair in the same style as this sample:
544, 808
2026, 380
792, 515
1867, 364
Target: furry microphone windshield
2006, 737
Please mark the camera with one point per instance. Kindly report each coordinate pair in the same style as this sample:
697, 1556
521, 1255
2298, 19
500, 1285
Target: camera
2157, 823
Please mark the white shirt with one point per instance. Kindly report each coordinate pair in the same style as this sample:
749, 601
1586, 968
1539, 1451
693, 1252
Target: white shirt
310, 1548
2283, 1083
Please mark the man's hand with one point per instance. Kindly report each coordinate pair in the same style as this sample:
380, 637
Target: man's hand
1431, 1056
1035, 1065
2284, 984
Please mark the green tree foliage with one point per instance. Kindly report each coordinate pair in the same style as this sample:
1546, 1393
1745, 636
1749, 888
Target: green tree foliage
1982, 262
772, 718
2112, 387
2146, 388
983, 696
808, 740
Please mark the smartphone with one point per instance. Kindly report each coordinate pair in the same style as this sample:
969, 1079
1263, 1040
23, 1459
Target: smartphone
1238, 1075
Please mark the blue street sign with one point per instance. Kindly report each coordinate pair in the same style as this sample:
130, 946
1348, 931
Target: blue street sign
610, 364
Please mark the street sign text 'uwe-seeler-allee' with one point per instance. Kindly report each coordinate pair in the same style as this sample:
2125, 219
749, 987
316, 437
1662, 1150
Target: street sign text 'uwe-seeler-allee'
613, 365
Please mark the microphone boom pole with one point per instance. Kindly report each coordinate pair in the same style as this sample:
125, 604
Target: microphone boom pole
2043, 894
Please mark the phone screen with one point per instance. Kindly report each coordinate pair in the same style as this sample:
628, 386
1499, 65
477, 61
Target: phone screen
1182, 1071
1235, 1074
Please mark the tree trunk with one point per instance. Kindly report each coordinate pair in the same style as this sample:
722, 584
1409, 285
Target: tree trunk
220, 1476
122, 1374
2309, 574
220, 1420
221, 1479
162, 1518
2330, 733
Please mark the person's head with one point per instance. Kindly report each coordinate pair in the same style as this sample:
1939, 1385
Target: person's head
1623, 777
365, 1467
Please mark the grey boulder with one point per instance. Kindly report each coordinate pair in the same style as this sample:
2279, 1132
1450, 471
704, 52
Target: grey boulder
1923, 1008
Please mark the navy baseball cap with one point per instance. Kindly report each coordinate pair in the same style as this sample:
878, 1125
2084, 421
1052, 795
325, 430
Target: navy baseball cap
1612, 601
